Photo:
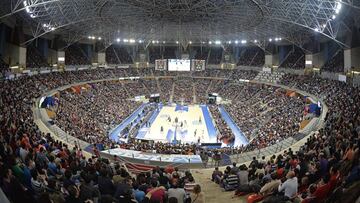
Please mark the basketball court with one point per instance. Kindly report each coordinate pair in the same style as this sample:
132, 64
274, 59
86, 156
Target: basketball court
177, 123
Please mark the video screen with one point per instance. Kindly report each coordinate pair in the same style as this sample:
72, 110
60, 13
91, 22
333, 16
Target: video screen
160, 64
179, 65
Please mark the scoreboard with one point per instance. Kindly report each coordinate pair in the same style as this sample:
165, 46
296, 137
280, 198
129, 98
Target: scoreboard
198, 65
161, 64
179, 65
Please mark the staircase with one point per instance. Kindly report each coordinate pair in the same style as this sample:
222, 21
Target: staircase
270, 77
194, 93
127, 92
172, 92
158, 85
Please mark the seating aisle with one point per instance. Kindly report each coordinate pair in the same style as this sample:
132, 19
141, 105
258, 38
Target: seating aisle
213, 193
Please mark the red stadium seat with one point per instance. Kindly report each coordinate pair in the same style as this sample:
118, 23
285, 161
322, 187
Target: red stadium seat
254, 198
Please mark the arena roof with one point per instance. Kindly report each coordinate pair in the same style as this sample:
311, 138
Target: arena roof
186, 21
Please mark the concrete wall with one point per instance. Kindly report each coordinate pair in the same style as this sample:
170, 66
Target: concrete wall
355, 58
52, 57
15, 55
351, 58
61, 54
272, 60
100, 58
268, 60
318, 59
276, 60
347, 59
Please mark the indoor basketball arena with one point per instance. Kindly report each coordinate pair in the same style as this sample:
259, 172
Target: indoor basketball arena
179, 101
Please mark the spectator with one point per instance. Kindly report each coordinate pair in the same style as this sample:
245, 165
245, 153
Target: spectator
290, 186
157, 193
197, 196
216, 175
176, 192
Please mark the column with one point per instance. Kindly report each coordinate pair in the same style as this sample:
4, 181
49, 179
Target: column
269, 60
17, 56
315, 60
100, 58
351, 58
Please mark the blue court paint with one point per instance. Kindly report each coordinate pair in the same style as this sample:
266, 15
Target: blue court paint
115, 132
209, 123
240, 138
169, 135
143, 130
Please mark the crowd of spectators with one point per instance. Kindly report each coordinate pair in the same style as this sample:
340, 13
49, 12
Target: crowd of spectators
259, 59
201, 88
42, 169
4, 67
233, 74
116, 54
111, 56
201, 53
216, 55
225, 133
170, 52
34, 59
74, 55
154, 54
92, 113
183, 90
294, 60
265, 114
325, 167
336, 63
252, 56
165, 89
